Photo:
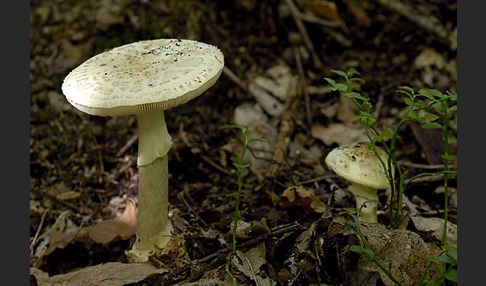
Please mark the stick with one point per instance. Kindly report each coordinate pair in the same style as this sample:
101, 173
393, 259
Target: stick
304, 87
285, 131
303, 32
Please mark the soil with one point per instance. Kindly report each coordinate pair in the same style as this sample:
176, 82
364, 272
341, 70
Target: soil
86, 165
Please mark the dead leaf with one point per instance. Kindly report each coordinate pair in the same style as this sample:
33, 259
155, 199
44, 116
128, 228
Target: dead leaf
358, 12
436, 226
298, 196
346, 109
321, 8
249, 264
123, 227
431, 142
339, 133
269, 103
108, 274
406, 250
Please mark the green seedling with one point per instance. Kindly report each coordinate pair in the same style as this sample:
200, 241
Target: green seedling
239, 165
430, 108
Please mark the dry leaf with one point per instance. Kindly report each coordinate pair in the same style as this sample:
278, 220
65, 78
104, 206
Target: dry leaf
69, 195
321, 8
123, 227
346, 109
358, 12
339, 133
108, 274
302, 197
436, 226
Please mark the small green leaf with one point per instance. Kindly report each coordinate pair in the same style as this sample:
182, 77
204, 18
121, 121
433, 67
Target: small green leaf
432, 125
449, 157
407, 89
453, 108
430, 117
451, 140
330, 81
408, 101
232, 195
341, 73
431, 93
352, 71
444, 259
451, 275
355, 95
251, 140
341, 87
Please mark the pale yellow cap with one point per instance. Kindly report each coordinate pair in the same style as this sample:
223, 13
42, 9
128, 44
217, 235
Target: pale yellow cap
143, 76
358, 164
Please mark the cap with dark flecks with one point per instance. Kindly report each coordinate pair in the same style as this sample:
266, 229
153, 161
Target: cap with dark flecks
358, 163
142, 76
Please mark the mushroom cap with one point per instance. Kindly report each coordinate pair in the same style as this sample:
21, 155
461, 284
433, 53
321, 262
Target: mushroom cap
143, 76
358, 164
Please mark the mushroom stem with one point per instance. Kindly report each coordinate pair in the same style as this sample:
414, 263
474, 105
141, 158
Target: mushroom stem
153, 226
368, 198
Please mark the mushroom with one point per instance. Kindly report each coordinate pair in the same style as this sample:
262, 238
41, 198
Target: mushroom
358, 164
145, 78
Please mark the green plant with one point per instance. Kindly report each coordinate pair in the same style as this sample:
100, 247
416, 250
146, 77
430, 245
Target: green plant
239, 165
430, 108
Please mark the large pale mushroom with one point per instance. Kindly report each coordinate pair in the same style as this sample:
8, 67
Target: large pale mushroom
358, 164
145, 78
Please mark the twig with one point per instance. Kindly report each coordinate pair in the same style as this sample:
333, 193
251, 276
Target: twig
304, 87
235, 78
188, 206
316, 179
213, 164
285, 131
379, 105
429, 24
129, 144
305, 36
36, 236
315, 20
66, 204
276, 231
429, 179
423, 166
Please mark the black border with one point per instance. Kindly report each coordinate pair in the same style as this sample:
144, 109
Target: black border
14, 25
471, 128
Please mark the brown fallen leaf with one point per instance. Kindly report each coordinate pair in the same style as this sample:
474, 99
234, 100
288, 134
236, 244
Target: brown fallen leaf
404, 252
358, 12
298, 196
123, 227
108, 274
321, 8
431, 142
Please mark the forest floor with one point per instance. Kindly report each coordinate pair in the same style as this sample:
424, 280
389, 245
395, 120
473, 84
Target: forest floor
83, 169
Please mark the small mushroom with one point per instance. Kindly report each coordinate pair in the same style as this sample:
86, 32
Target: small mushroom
145, 78
358, 164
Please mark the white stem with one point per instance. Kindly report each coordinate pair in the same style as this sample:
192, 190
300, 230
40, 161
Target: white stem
153, 226
367, 198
